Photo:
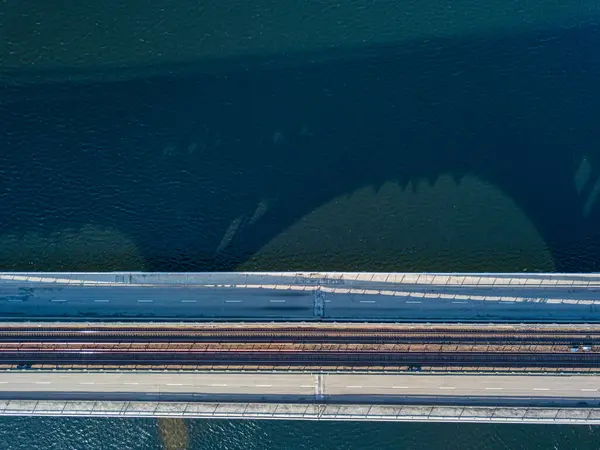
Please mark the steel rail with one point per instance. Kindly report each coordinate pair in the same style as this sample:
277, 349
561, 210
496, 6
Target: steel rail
416, 328
306, 358
349, 349
425, 339
304, 335
244, 348
234, 344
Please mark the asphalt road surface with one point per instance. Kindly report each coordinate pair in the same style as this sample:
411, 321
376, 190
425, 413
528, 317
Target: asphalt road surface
534, 390
297, 296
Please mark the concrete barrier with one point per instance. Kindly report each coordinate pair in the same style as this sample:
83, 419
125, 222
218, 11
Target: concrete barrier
297, 411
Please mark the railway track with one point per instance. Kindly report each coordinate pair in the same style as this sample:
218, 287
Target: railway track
300, 334
24, 345
54, 347
306, 359
27, 353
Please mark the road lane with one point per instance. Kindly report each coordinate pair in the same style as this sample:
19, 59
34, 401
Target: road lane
303, 296
155, 301
397, 388
430, 308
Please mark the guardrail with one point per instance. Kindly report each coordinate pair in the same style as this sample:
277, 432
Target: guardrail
293, 411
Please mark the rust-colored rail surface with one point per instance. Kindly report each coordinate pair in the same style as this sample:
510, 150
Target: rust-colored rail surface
239, 347
303, 358
314, 333
259, 345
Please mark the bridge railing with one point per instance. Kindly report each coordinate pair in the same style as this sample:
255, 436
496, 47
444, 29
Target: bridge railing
295, 411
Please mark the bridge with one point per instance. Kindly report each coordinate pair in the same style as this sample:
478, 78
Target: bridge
302, 296
311, 345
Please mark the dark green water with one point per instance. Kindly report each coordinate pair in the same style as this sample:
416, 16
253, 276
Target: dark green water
23, 433
460, 153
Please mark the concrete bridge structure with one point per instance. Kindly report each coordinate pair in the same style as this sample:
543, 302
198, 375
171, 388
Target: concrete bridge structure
302, 296
572, 399
560, 397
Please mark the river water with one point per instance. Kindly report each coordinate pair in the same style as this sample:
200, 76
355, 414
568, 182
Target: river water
442, 154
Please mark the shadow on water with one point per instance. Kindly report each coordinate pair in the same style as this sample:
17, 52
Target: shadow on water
199, 172
173, 433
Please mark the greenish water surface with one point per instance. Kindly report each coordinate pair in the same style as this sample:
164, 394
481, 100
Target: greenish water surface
469, 142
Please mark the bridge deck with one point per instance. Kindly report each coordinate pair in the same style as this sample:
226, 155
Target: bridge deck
497, 390
297, 296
